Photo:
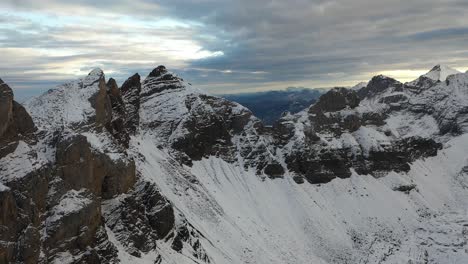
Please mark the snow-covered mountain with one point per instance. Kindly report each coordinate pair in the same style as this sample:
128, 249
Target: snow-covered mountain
157, 171
438, 73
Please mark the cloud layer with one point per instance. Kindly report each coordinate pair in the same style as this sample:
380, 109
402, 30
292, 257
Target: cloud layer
231, 46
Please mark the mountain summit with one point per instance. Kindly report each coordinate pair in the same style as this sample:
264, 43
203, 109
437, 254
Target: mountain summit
440, 72
157, 171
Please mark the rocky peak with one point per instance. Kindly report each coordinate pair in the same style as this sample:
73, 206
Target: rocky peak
336, 99
131, 90
73, 104
160, 80
440, 72
100, 101
377, 85
6, 106
15, 122
113, 88
132, 83
94, 76
119, 115
158, 71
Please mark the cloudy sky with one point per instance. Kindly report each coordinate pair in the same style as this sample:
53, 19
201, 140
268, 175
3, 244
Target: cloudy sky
230, 46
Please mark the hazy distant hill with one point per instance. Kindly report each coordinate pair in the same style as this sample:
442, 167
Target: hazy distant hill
269, 106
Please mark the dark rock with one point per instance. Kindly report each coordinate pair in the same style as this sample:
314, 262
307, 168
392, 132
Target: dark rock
421, 84
153, 213
21, 205
74, 225
405, 188
186, 234
283, 128
29, 245
102, 103
274, 170
6, 107
352, 122
119, 114
79, 167
113, 89
210, 133
8, 215
181, 236
320, 167
75, 165
395, 98
160, 80
298, 179
335, 100
22, 120
15, 122
158, 71
131, 90
372, 118
379, 84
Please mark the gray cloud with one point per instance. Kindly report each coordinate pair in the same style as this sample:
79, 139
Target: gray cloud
266, 44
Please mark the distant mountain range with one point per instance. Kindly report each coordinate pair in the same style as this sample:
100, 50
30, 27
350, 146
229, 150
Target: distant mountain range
270, 105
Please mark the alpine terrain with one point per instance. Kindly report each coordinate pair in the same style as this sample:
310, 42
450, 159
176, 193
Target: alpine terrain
157, 171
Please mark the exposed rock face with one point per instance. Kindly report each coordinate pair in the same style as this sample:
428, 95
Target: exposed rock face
15, 122
74, 225
52, 187
102, 103
130, 90
346, 130
79, 167
377, 85
335, 100
210, 133
6, 106
152, 212
22, 202
119, 113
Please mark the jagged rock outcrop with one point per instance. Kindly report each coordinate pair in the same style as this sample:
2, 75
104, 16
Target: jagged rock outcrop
153, 213
335, 100
6, 106
119, 113
130, 91
15, 122
379, 84
348, 130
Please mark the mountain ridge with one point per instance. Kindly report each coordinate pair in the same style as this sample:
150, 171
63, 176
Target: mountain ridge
208, 182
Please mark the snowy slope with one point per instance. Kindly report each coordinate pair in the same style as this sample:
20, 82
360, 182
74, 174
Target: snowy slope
362, 219
440, 73
67, 104
249, 220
